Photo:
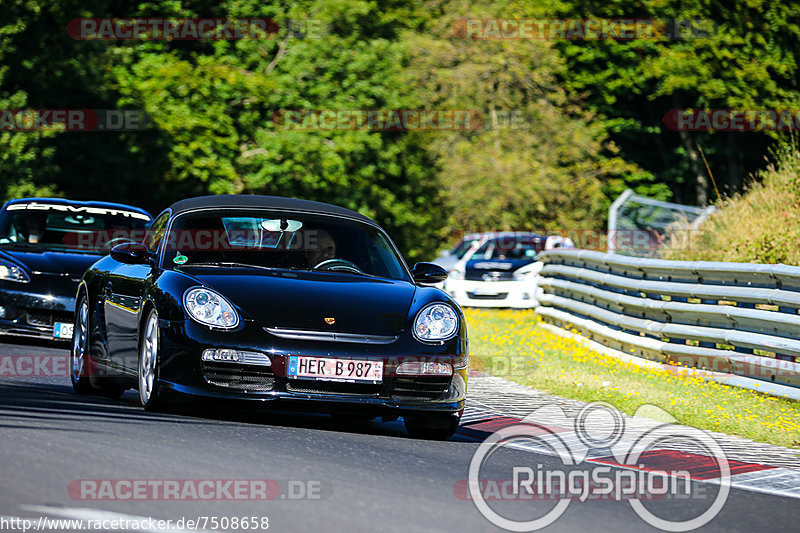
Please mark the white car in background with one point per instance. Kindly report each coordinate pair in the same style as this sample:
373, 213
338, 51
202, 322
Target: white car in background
501, 271
448, 258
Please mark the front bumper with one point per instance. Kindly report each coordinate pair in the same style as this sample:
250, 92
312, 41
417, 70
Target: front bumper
182, 370
469, 293
32, 309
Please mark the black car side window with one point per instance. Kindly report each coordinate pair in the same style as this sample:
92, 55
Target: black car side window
156, 232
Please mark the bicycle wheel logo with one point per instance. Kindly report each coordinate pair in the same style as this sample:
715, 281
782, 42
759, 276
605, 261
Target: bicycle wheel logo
602, 458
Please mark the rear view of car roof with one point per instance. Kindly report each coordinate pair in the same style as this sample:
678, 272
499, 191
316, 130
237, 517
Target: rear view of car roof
76, 203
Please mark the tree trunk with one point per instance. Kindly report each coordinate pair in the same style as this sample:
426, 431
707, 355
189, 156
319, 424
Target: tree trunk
701, 180
735, 166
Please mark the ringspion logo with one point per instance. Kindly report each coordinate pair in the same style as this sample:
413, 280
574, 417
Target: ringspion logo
601, 459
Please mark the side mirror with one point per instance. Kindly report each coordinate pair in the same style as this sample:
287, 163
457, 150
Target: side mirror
428, 273
131, 253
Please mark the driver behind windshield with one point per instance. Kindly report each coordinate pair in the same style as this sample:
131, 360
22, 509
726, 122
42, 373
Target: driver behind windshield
30, 228
319, 246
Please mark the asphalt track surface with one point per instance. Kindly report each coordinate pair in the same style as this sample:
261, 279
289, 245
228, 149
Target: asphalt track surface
366, 476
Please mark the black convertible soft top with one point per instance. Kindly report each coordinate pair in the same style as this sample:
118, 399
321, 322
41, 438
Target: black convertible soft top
266, 202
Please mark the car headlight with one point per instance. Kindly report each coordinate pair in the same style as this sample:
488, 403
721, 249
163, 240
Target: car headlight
11, 272
436, 322
524, 276
210, 308
528, 272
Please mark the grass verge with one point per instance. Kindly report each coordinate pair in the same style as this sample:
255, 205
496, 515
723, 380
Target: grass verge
511, 344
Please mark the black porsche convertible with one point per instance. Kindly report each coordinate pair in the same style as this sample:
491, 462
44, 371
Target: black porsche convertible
46, 244
275, 300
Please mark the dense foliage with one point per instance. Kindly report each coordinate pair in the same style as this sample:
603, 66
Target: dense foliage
590, 112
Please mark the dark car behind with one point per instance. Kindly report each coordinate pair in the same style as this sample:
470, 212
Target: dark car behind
46, 244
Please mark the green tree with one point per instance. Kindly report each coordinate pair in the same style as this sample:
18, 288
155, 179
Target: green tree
737, 55
23, 155
538, 161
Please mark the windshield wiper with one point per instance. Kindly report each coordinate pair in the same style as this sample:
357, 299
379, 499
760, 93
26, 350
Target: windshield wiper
228, 264
334, 271
354, 272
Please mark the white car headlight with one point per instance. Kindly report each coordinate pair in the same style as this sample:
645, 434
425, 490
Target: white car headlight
11, 272
210, 308
436, 322
528, 272
524, 276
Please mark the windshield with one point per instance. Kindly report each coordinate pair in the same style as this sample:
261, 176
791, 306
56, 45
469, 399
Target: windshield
44, 226
510, 248
261, 238
462, 247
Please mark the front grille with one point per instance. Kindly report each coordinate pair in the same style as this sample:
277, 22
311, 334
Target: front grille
331, 336
333, 387
500, 296
419, 388
38, 318
239, 377
493, 275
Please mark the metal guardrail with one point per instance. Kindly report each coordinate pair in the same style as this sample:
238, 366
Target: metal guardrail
742, 319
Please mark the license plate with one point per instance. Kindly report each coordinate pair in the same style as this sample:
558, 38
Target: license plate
62, 330
332, 369
485, 292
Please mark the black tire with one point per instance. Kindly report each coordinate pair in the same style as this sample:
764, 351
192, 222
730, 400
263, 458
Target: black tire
432, 427
150, 393
80, 362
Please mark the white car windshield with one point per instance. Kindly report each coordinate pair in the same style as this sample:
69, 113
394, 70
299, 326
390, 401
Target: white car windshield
509, 248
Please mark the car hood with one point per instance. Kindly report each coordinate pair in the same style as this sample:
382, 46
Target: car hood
60, 263
305, 300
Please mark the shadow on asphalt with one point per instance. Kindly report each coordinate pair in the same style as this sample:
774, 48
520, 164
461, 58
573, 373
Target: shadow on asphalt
46, 406
54, 406
17, 342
